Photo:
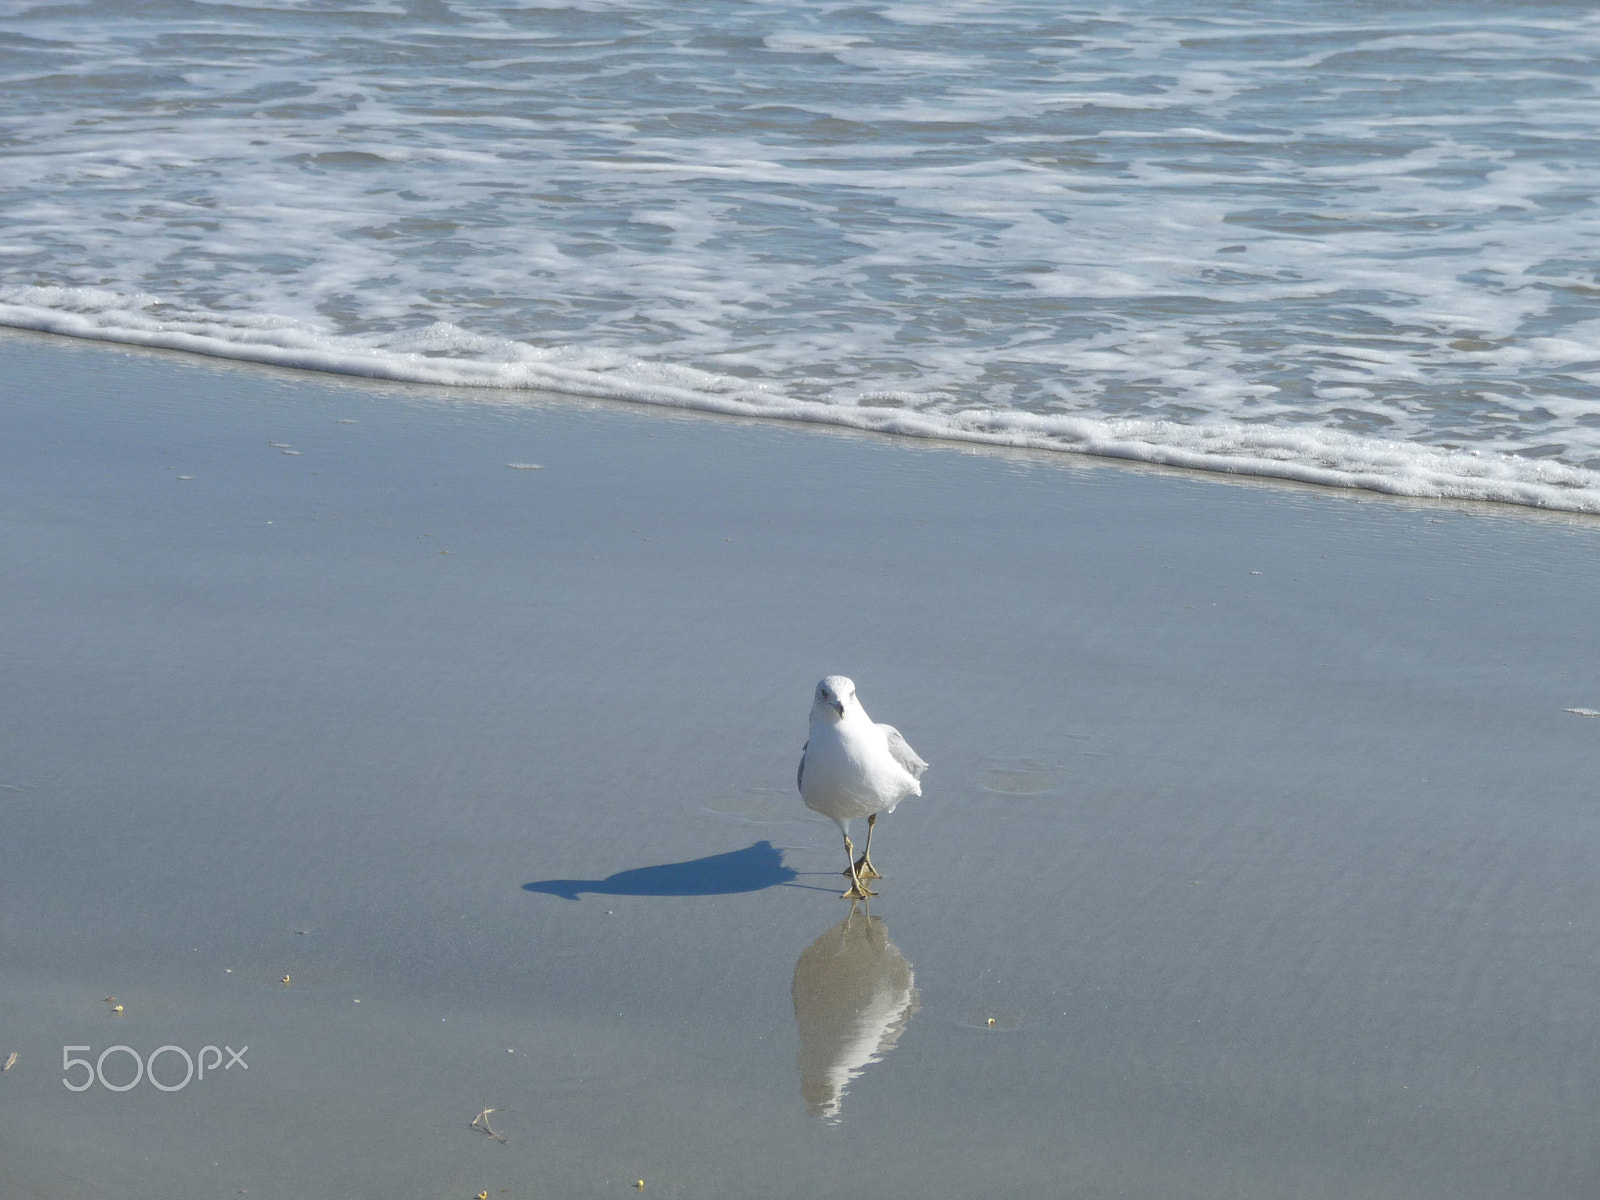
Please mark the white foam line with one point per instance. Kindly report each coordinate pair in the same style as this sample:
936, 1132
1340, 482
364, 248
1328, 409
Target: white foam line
1303, 454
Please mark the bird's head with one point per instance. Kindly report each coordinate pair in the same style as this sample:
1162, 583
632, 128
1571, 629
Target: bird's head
835, 696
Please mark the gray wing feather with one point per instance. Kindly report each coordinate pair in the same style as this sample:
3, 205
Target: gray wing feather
903, 754
800, 775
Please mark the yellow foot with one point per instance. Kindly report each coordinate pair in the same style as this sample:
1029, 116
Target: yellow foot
864, 869
858, 892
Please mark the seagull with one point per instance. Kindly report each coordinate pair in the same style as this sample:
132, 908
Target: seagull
852, 768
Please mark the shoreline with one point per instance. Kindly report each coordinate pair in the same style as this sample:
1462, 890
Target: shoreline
1260, 826
1305, 454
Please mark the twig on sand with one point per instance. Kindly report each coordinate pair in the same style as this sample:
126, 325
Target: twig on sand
11, 1061
483, 1117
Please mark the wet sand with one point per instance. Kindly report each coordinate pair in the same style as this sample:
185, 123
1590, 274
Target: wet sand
1255, 822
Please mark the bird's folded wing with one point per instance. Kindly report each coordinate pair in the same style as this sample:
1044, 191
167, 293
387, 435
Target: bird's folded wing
903, 754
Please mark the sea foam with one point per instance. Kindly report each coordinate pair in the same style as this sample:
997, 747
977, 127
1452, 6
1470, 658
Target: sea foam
1305, 453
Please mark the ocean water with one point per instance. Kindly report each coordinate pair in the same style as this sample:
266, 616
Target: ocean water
1345, 243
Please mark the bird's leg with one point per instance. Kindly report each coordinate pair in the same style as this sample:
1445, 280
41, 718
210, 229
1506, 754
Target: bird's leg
864, 867
858, 890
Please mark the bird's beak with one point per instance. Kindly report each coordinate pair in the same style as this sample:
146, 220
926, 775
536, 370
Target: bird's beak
837, 706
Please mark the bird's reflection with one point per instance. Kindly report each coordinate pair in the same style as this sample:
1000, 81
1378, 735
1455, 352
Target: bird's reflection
854, 994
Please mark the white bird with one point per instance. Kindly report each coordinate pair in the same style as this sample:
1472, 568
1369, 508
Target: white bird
852, 768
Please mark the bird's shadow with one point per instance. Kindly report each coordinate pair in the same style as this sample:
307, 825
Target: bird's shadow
749, 870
